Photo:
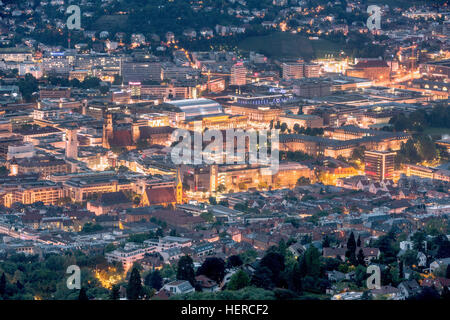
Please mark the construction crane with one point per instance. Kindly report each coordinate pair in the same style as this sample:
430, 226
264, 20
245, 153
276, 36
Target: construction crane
412, 58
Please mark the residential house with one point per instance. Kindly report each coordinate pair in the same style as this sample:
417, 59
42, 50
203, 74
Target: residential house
178, 287
206, 284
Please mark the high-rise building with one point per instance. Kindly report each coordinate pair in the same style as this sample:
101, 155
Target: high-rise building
379, 165
141, 71
311, 70
293, 70
238, 74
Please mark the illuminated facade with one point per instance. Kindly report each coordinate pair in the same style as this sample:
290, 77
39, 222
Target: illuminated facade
379, 165
238, 75
46, 191
303, 120
217, 122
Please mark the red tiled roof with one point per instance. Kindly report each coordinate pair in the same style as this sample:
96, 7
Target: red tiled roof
161, 195
122, 138
205, 282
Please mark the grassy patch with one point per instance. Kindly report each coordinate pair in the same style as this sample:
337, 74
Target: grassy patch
288, 45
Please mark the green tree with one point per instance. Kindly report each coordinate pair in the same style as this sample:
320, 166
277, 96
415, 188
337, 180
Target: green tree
360, 258
134, 288
310, 262
82, 295
207, 216
296, 278
238, 280
234, 261
262, 278
2, 284
213, 268
358, 153
351, 249
185, 270
409, 258
154, 280
418, 238
115, 293
212, 200
27, 86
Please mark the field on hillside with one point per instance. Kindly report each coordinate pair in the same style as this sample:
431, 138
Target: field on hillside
288, 45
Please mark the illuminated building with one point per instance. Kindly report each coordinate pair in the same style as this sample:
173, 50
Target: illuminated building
160, 91
444, 143
121, 96
80, 75
293, 70
311, 70
419, 171
379, 165
56, 63
289, 173
170, 71
370, 69
20, 150
141, 71
16, 54
127, 134
312, 88
32, 133
196, 107
216, 85
155, 119
345, 133
216, 122
303, 120
54, 93
257, 114
438, 69
84, 187
5, 142
319, 146
427, 173
28, 193
238, 75
44, 166
129, 255
241, 177
164, 195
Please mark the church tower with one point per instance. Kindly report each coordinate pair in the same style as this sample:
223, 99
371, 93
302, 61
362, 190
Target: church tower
71, 143
135, 132
179, 186
108, 131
